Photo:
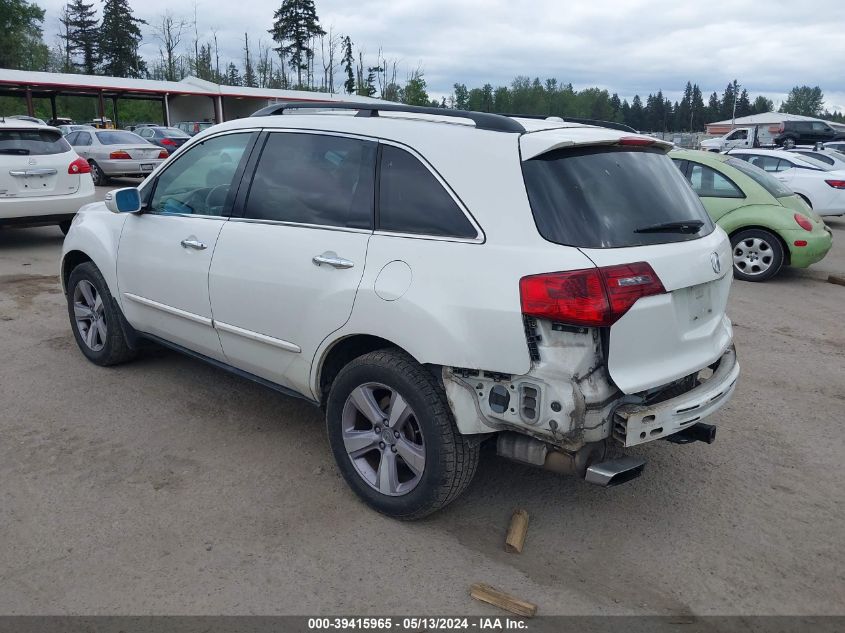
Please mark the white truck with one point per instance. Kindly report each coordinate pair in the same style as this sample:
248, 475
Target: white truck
741, 137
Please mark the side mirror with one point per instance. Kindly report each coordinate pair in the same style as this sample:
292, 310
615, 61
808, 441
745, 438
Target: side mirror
127, 200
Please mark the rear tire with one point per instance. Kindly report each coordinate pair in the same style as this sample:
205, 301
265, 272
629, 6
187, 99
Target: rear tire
757, 255
95, 319
97, 175
404, 457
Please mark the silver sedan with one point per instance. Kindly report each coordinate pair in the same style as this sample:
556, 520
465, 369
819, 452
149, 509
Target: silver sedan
113, 153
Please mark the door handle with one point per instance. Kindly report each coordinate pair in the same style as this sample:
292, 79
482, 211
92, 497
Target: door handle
195, 244
331, 258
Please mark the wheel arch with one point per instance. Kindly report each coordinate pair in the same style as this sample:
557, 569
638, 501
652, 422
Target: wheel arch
787, 254
71, 260
341, 352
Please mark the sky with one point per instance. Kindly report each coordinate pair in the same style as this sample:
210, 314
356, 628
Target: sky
627, 46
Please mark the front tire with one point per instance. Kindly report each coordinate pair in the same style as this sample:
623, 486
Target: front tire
393, 436
757, 255
94, 318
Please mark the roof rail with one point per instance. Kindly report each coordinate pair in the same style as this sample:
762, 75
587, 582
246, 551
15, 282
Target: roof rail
482, 120
569, 119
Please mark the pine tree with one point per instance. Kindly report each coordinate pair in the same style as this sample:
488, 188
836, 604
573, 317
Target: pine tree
232, 77
698, 110
20, 35
347, 62
728, 98
296, 23
637, 113
81, 35
120, 37
714, 108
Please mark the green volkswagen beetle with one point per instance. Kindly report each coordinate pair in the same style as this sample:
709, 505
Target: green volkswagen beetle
769, 225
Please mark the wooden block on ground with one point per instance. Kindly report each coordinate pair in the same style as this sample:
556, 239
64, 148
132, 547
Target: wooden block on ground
837, 279
517, 530
490, 595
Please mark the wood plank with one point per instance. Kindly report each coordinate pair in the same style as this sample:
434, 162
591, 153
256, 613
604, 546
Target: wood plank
515, 540
491, 595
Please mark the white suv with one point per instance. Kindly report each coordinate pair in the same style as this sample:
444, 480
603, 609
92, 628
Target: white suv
42, 180
432, 279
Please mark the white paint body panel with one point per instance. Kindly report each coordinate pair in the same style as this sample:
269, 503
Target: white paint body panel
170, 280
263, 281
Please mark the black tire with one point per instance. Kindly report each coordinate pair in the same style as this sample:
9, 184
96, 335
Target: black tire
450, 460
765, 254
65, 226
97, 175
115, 348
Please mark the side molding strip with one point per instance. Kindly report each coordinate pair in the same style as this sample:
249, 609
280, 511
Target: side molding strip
255, 336
190, 316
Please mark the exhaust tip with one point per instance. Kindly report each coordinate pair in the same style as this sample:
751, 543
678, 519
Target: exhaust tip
615, 471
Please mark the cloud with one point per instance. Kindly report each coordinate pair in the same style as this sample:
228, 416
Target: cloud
627, 46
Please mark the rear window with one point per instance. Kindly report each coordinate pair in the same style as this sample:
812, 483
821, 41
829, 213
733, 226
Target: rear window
119, 138
599, 197
32, 142
173, 131
774, 186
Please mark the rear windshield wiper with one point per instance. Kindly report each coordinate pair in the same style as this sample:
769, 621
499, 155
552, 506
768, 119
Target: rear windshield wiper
684, 226
20, 151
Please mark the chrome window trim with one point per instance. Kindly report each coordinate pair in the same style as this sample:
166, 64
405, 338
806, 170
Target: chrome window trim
325, 227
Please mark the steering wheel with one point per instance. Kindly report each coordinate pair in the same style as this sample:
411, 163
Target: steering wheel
219, 192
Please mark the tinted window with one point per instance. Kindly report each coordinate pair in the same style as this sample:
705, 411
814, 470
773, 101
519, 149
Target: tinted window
598, 197
314, 179
709, 183
769, 183
172, 131
32, 142
412, 200
818, 156
766, 163
198, 182
84, 138
71, 138
119, 137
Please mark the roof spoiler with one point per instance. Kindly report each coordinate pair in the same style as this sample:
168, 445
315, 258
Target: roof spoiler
612, 125
482, 120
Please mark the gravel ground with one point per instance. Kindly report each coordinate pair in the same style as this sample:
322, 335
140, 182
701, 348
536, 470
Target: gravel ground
169, 487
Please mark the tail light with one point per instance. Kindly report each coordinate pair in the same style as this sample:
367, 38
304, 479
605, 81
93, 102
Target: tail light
592, 297
79, 166
836, 184
803, 222
167, 141
163, 154
119, 155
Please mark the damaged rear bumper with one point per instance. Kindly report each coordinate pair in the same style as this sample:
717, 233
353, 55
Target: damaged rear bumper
636, 424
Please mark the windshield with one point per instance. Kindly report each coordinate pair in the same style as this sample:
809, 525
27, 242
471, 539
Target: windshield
603, 197
119, 138
771, 184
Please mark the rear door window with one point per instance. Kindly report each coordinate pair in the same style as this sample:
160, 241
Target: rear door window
314, 179
413, 201
119, 138
601, 197
32, 142
709, 183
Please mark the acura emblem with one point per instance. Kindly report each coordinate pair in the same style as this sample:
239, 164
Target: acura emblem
714, 261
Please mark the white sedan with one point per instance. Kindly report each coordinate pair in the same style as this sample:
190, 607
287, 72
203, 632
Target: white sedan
822, 186
42, 180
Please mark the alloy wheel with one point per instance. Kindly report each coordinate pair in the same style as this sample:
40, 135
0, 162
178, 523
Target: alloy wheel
89, 314
383, 439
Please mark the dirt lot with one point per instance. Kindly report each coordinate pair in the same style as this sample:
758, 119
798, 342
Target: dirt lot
167, 486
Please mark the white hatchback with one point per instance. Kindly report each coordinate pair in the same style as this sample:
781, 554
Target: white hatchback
433, 279
42, 180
